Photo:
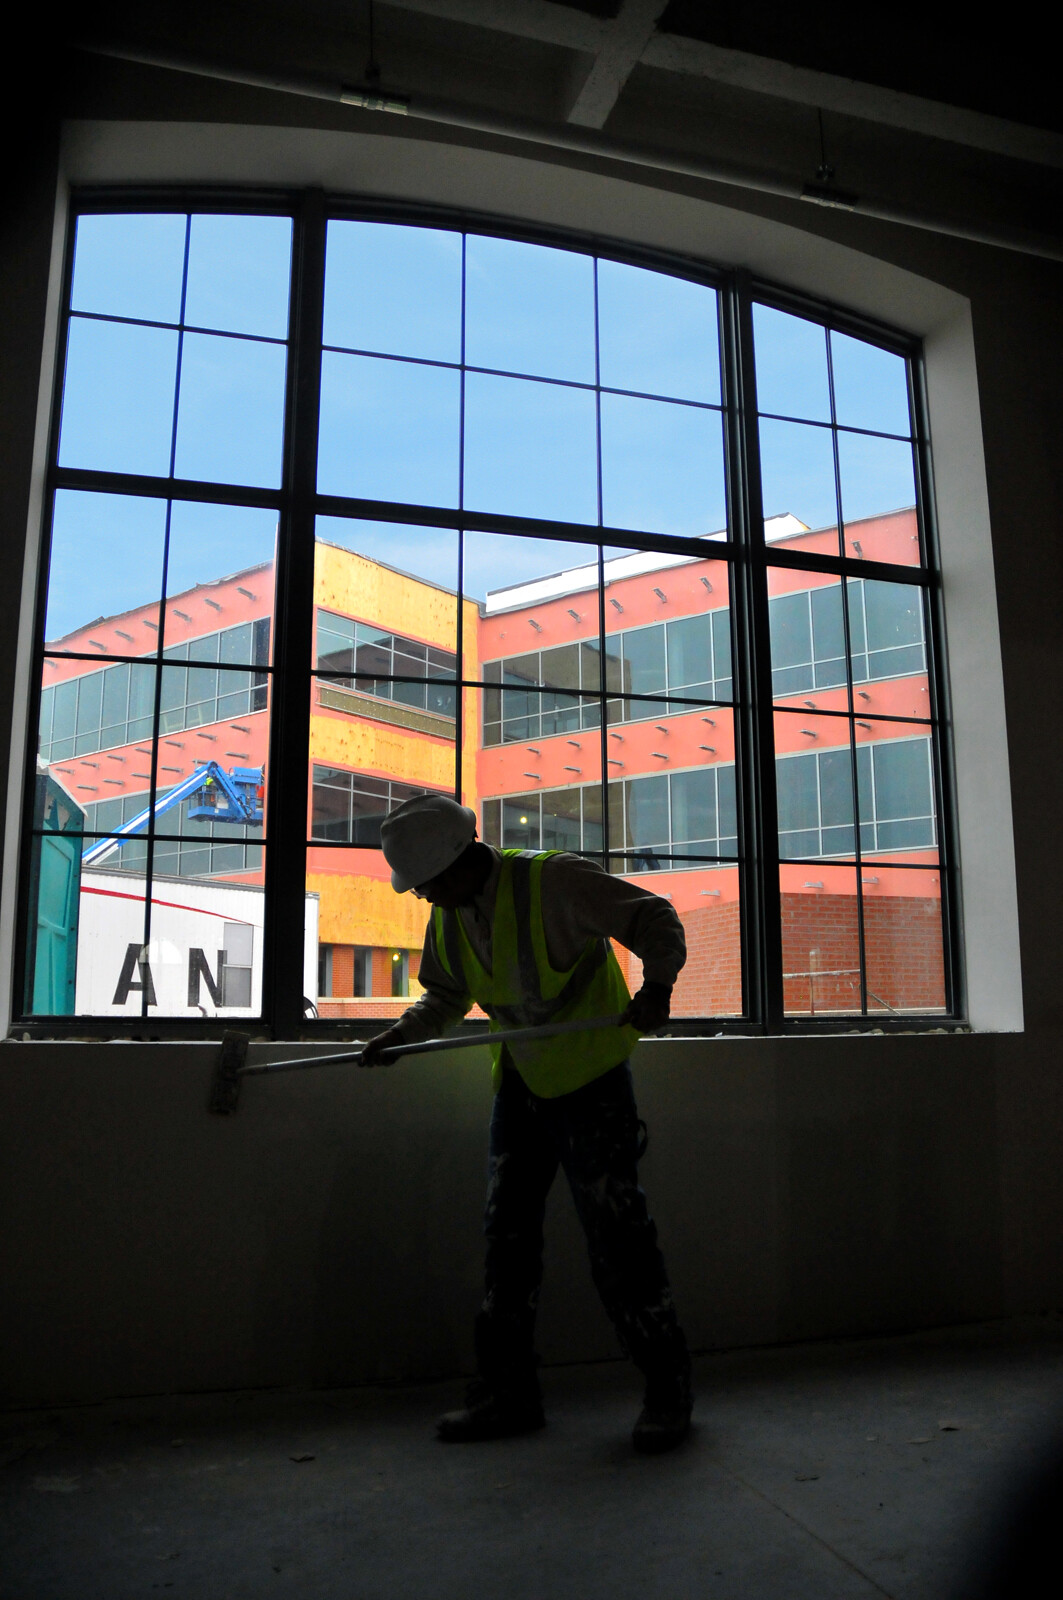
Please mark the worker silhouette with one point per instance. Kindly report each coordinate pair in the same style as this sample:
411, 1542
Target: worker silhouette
525, 935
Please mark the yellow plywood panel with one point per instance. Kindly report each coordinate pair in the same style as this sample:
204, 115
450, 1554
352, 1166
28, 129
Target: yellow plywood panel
472, 714
367, 911
357, 587
359, 745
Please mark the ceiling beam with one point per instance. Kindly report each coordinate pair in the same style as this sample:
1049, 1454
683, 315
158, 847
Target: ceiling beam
671, 52
524, 19
889, 107
1038, 240
618, 57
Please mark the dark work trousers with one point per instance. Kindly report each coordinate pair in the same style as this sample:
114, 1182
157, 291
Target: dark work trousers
594, 1134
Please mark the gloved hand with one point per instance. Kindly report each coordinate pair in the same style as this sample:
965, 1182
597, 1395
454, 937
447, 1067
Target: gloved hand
648, 1009
382, 1041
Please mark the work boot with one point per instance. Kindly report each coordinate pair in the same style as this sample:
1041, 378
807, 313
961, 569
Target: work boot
664, 1420
490, 1413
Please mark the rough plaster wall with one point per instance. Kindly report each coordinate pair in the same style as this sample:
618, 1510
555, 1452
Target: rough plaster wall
329, 1232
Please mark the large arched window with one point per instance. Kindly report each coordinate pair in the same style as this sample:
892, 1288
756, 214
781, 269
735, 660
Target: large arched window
632, 554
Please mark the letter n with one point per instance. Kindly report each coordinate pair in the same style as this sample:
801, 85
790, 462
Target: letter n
198, 968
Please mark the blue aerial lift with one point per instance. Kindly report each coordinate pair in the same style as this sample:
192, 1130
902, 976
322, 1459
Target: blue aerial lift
215, 794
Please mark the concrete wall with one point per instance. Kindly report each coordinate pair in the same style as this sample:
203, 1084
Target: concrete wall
329, 1233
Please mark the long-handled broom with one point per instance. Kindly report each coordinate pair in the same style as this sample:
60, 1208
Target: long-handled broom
232, 1065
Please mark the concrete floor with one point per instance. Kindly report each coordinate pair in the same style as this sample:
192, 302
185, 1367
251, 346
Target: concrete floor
832, 1472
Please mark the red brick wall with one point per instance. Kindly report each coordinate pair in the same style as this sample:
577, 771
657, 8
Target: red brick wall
710, 985
343, 969
902, 941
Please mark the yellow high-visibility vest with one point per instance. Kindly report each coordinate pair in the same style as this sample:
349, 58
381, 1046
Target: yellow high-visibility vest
523, 990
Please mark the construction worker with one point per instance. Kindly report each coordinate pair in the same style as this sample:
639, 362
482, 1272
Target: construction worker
525, 935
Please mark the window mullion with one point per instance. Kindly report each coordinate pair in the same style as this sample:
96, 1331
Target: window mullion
943, 774
285, 908
762, 961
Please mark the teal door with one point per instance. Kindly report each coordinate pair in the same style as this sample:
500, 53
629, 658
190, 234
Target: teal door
55, 892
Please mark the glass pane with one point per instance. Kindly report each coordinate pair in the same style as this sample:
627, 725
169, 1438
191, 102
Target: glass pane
370, 749
238, 274
797, 482
903, 939
674, 770
820, 940
807, 624
389, 430
669, 629
662, 467
129, 265
870, 386
118, 397
657, 334
646, 826
814, 785
213, 715
56, 808
105, 564
205, 944
230, 424
886, 623
85, 710
393, 289
85, 952
707, 900
894, 773
524, 581
705, 896
524, 715
362, 942
530, 449
791, 366
877, 477
642, 660
398, 580
542, 790
537, 627
892, 537
218, 828
529, 309
427, 707
220, 577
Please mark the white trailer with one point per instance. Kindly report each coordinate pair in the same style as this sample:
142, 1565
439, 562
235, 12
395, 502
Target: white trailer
204, 952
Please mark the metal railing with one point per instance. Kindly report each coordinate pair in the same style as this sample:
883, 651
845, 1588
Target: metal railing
853, 975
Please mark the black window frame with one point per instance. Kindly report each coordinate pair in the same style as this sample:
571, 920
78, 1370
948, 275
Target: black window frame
298, 504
